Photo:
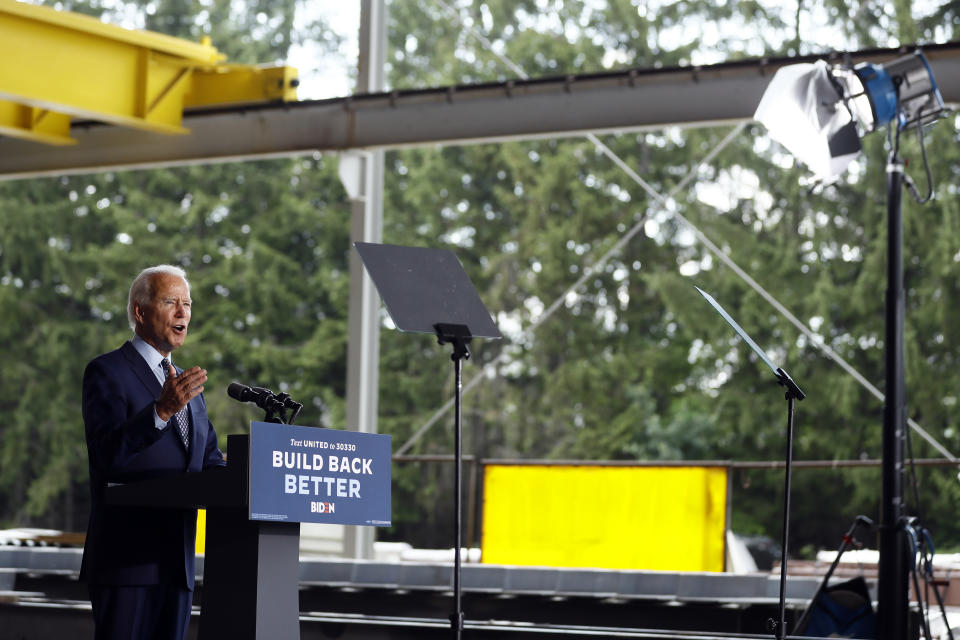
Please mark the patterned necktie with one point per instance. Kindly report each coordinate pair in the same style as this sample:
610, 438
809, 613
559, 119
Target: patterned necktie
179, 418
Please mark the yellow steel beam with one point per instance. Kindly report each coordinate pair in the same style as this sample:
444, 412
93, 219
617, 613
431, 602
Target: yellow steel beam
75, 64
31, 123
59, 65
238, 84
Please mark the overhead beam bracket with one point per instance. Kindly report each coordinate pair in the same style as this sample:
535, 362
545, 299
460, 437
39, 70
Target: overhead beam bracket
60, 65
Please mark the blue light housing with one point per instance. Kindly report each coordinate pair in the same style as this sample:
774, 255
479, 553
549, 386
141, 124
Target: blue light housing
880, 90
903, 89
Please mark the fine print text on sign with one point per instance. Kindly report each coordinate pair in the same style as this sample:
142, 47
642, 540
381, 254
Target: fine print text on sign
309, 474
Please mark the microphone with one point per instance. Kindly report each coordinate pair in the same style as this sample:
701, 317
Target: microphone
243, 393
265, 399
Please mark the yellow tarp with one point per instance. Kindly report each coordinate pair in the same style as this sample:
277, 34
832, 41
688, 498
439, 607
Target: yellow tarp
666, 518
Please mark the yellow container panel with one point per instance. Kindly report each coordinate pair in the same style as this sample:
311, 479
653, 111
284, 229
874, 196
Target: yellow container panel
662, 518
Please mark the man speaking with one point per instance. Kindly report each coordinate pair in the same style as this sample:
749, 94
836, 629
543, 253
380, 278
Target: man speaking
144, 418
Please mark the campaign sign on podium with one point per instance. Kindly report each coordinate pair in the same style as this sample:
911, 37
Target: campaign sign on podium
310, 474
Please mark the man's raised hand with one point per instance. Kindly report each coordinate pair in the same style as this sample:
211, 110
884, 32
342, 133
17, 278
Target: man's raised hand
178, 390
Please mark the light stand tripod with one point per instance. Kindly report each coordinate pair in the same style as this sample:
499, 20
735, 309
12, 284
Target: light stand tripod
892, 573
839, 104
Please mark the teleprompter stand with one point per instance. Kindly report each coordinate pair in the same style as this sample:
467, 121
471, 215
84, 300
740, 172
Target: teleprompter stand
427, 291
793, 393
457, 335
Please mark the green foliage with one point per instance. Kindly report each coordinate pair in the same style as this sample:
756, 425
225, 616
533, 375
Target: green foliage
634, 364
265, 247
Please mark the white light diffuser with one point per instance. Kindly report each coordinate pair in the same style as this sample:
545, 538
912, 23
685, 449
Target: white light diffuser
803, 110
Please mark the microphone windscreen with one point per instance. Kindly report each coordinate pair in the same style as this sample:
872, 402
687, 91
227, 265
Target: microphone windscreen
239, 392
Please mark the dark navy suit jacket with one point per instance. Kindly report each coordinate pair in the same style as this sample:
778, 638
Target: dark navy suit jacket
138, 546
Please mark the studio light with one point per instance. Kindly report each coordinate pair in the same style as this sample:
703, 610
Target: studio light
819, 113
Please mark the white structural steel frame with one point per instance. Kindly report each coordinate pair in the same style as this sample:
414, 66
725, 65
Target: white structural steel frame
362, 174
562, 106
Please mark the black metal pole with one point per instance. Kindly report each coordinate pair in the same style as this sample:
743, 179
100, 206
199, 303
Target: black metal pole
892, 586
793, 393
781, 626
458, 336
456, 620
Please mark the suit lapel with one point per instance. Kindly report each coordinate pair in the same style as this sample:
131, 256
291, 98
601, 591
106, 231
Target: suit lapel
140, 368
142, 371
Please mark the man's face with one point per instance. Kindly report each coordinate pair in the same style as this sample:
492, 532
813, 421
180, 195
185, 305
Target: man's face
163, 322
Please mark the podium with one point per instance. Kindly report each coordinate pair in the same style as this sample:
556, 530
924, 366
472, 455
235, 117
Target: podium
251, 567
